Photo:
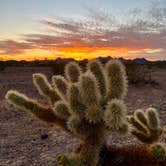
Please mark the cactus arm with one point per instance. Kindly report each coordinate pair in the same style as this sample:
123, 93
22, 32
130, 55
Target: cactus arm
153, 120
146, 124
138, 125
91, 97
44, 88
23, 102
72, 72
97, 69
89, 89
75, 101
60, 85
142, 137
117, 81
141, 117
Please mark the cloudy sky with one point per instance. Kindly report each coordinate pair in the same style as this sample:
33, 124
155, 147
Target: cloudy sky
47, 29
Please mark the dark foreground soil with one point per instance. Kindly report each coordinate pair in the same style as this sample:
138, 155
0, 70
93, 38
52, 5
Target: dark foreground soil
128, 156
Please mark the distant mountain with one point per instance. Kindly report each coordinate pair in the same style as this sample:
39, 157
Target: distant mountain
140, 60
122, 59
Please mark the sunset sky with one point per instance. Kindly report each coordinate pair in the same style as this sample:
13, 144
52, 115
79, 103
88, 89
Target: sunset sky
48, 29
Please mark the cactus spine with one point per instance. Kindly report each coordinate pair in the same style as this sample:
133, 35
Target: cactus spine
87, 105
147, 129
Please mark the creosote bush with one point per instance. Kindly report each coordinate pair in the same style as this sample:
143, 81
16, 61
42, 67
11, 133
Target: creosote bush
88, 105
147, 129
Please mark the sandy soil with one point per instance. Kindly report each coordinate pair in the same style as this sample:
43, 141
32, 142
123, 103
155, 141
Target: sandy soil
20, 133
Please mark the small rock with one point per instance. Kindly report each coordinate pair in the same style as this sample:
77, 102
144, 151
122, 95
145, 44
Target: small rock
44, 136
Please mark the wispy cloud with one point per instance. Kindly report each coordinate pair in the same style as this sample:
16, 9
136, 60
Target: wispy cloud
139, 30
12, 47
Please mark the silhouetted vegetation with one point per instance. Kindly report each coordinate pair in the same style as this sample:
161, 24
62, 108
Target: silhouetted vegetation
138, 73
138, 70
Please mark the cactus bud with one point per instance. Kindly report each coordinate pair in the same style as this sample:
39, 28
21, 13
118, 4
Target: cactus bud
114, 115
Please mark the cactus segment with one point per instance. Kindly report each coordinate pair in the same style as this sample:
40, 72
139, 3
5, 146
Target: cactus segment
44, 88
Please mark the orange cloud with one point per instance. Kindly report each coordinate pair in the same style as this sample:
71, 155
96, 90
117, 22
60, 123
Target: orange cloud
78, 53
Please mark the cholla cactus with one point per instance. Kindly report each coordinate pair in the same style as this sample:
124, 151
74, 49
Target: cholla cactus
147, 129
87, 105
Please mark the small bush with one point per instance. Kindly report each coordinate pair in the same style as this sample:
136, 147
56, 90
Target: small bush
138, 74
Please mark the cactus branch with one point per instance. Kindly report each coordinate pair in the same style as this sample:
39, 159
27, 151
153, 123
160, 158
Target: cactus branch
116, 80
152, 116
44, 113
44, 88
60, 85
75, 100
91, 96
97, 69
72, 72
146, 127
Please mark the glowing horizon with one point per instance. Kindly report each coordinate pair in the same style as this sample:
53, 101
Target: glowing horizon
76, 53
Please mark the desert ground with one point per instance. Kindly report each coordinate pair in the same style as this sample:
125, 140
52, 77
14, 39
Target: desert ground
20, 133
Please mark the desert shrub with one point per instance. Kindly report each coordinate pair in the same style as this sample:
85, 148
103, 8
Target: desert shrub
158, 64
58, 68
138, 74
2, 66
